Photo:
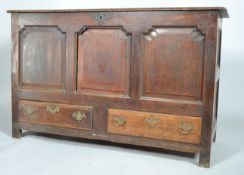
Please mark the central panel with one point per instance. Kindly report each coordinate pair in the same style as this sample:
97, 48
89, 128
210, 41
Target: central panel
104, 61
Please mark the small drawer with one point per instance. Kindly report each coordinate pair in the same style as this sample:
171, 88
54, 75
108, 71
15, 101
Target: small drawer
61, 115
155, 125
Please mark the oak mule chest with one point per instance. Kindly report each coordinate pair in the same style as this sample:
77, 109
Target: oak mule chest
146, 77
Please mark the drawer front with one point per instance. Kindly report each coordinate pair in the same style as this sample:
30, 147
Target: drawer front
154, 125
61, 115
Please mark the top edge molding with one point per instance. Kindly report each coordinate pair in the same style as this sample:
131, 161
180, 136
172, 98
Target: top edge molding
222, 10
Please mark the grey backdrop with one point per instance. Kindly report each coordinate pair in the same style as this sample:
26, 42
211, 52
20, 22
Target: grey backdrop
227, 154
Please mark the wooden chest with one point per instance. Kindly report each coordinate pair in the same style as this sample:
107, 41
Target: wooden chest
146, 77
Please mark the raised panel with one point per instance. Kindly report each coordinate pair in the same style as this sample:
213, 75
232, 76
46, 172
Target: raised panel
103, 61
42, 57
173, 63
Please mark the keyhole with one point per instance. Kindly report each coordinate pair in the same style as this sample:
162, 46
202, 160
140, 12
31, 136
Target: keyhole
100, 17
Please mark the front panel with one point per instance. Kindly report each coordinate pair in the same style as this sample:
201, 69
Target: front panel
103, 66
173, 63
42, 57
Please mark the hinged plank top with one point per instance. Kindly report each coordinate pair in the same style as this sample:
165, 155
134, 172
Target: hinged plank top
222, 11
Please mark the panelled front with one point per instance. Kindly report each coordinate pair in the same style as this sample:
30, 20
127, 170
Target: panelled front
115, 60
165, 63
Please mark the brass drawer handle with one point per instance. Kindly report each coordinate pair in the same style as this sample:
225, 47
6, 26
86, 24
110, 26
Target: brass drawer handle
79, 116
120, 121
152, 121
185, 128
29, 110
53, 109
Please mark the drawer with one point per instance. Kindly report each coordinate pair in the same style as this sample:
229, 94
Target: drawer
61, 115
154, 125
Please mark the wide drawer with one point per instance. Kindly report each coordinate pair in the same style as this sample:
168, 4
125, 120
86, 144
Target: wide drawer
61, 115
154, 125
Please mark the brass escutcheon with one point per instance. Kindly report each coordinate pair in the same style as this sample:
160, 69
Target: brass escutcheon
185, 128
28, 110
152, 121
120, 121
79, 116
53, 109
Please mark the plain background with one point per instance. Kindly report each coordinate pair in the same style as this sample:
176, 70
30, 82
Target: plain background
35, 154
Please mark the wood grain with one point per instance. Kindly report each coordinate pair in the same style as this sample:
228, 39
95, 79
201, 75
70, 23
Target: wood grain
42, 57
63, 118
167, 50
222, 11
102, 70
167, 127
